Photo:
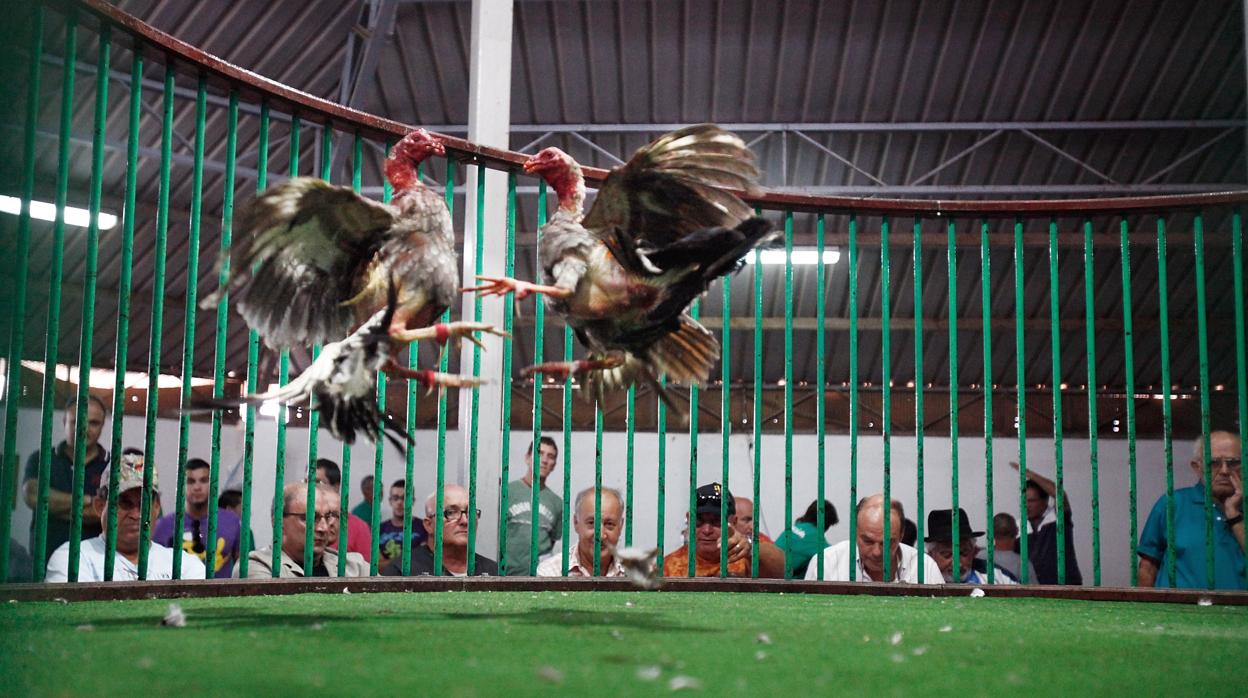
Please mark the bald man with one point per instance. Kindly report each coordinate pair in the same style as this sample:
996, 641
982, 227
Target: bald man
455, 514
869, 560
1227, 486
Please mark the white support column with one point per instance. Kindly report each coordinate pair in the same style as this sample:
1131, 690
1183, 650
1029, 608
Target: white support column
489, 123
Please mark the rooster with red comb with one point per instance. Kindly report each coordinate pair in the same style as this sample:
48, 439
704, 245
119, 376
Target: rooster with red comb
318, 261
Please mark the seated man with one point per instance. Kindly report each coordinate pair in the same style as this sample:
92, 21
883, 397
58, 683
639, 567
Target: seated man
707, 537
390, 531
745, 519
454, 515
359, 535
219, 557
126, 559
294, 527
582, 562
1004, 538
904, 560
1227, 486
804, 540
940, 547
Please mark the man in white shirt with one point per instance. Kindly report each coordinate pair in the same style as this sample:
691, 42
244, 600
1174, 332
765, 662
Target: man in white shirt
126, 560
582, 562
904, 560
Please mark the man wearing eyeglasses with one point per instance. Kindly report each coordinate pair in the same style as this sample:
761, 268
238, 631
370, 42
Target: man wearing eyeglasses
454, 515
1227, 486
195, 524
294, 529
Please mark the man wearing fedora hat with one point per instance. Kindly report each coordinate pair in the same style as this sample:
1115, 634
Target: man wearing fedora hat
939, 543
91, 557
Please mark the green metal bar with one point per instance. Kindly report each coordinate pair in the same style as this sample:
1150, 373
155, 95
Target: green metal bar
344, 484
1203, 343
1055, 349
886, 377
223, 279
693, 464
409, 467
314, 418
54, 296
1241, 362
758, 398
821, 379
539, 335
158, 315
725, 415
788, 381
854, 404
17, 335
597, 489
985, 292
1128, 361
1089, 312
378, 446
253, 360
1163, 290
1021, 407
283, 376
509, 267
661, 508
630, 419
567, 448
86, 345
439, 521
474, 417
125, 271
952, 257
188, 337
413, 350
919, 420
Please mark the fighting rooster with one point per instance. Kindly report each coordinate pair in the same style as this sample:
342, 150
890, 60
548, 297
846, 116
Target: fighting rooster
317, 260
663, 227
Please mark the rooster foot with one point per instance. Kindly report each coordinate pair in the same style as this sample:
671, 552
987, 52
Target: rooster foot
502, 285
452, 331
433, 379
564, 369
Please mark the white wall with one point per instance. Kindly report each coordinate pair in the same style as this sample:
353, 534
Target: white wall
1114, 506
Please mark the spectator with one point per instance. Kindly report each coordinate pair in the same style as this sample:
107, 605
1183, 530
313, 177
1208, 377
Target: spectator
359, 535
1042, 530
520, 514
61, 478
21, 567
1004, 536
909, 530
390, 533
325, 535
707, 538
904, 560
939, 542
195, 524
231, 500
1227, 486
91, 558
582, 564
454, 515
364, 510
746, 523
804, 540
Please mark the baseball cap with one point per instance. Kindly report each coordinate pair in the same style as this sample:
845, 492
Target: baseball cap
129, 474
709, 497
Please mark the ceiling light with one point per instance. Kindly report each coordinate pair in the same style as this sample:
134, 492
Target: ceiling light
45, 211
106, 379
801, 256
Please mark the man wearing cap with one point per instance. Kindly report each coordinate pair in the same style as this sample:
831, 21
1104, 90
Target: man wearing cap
125, 567
294, 532
904, 560
708, 536
939, 542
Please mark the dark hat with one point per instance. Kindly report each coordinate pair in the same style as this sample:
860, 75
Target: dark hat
940, 526
709, 497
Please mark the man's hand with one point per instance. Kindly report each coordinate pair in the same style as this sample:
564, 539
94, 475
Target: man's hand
738, 546
1233, 506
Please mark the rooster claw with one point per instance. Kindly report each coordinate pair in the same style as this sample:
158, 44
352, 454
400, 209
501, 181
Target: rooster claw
565, 369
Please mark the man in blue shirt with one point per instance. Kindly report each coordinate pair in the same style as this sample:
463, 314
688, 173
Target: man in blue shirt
1189, 524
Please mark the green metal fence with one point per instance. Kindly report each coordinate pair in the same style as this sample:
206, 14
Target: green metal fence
1082, 245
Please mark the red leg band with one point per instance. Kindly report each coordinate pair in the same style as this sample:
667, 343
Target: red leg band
442, 332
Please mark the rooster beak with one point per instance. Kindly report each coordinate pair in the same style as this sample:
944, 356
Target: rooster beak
530, 166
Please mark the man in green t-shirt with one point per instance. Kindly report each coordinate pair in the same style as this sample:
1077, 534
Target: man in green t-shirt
520, 510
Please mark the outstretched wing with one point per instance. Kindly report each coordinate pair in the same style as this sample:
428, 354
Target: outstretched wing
305, 245
672, 187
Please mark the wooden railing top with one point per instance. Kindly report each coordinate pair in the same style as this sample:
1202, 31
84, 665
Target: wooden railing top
313, 108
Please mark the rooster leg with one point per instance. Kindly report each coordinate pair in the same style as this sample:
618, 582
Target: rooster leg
502, 285
564, 369
431, 379
444, 332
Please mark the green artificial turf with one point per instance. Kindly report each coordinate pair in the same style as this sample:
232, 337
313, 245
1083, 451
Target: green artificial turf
615, 644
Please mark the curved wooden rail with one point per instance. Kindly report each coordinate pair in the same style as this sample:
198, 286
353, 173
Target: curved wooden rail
314, 108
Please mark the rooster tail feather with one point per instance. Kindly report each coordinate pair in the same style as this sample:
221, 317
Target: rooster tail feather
685, 355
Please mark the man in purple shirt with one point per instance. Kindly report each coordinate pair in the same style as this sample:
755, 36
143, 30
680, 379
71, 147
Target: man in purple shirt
195, 525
